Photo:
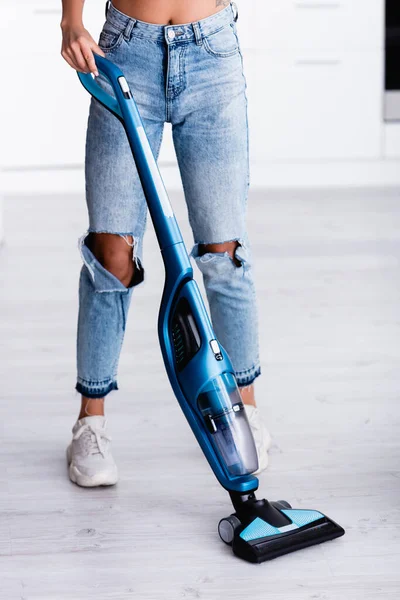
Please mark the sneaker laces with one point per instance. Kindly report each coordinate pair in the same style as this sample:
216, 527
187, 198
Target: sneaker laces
93, 437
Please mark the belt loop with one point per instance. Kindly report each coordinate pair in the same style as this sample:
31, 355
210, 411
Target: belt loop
197, 33
107, 7
235, 11
129, 26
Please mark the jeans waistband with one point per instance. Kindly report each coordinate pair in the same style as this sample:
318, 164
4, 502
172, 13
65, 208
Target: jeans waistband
173, 33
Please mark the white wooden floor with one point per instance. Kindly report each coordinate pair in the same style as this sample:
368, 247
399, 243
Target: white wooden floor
327, 267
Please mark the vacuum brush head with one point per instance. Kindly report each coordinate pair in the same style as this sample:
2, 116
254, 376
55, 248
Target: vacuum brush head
262, 530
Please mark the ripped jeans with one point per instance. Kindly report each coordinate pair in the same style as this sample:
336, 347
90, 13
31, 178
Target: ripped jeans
192, 77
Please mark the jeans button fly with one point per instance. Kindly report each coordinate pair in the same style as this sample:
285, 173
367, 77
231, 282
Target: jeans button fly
171, 34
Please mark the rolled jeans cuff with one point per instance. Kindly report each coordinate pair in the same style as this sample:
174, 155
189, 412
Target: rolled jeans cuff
245, 378
95, 389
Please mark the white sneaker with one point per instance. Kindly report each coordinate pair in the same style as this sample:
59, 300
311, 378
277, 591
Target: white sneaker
89, 456
261, 436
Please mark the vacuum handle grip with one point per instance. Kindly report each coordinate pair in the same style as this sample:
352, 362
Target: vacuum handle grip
117, 81
124, 107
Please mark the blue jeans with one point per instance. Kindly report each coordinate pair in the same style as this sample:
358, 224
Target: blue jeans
192, 77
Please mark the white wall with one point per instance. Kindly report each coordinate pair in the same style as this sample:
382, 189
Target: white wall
314, 70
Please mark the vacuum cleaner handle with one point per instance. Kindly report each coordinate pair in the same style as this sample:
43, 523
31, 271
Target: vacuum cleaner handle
123, 106
108, 69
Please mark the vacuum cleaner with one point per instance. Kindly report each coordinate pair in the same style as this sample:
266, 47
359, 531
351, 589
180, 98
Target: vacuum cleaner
199, 368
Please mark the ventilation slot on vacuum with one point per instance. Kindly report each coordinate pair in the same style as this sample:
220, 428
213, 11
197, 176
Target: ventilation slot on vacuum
185, 335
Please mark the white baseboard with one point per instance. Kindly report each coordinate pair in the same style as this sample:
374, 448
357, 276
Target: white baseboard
269, 175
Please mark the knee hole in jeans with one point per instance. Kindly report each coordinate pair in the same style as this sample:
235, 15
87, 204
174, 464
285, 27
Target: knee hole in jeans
116, 256
221, 248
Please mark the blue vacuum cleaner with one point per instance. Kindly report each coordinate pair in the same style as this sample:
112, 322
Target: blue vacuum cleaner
199, 369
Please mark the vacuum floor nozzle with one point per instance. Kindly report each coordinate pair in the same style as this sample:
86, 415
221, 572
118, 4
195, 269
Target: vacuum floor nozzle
277, 529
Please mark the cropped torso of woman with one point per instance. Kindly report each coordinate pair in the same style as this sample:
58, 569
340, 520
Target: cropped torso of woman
78, 45
170, 12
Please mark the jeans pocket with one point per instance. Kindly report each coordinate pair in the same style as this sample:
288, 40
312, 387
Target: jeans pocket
223, 43
110, 37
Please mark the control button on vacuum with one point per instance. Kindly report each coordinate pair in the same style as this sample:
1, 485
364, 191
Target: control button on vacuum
211, 426
123, 84
216, 349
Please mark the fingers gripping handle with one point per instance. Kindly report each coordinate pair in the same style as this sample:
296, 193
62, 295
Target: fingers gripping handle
117, 81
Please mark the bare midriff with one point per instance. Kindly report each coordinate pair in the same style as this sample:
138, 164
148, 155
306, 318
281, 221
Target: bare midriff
170, 12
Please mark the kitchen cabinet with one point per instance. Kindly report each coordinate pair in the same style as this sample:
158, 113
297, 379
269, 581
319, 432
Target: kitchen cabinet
311, 24
314, 107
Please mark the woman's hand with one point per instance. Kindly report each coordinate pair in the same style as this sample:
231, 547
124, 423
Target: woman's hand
77, 48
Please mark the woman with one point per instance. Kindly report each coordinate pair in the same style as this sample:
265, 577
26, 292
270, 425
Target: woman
183, 63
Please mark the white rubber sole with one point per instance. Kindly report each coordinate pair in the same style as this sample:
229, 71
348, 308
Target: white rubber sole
104, 478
